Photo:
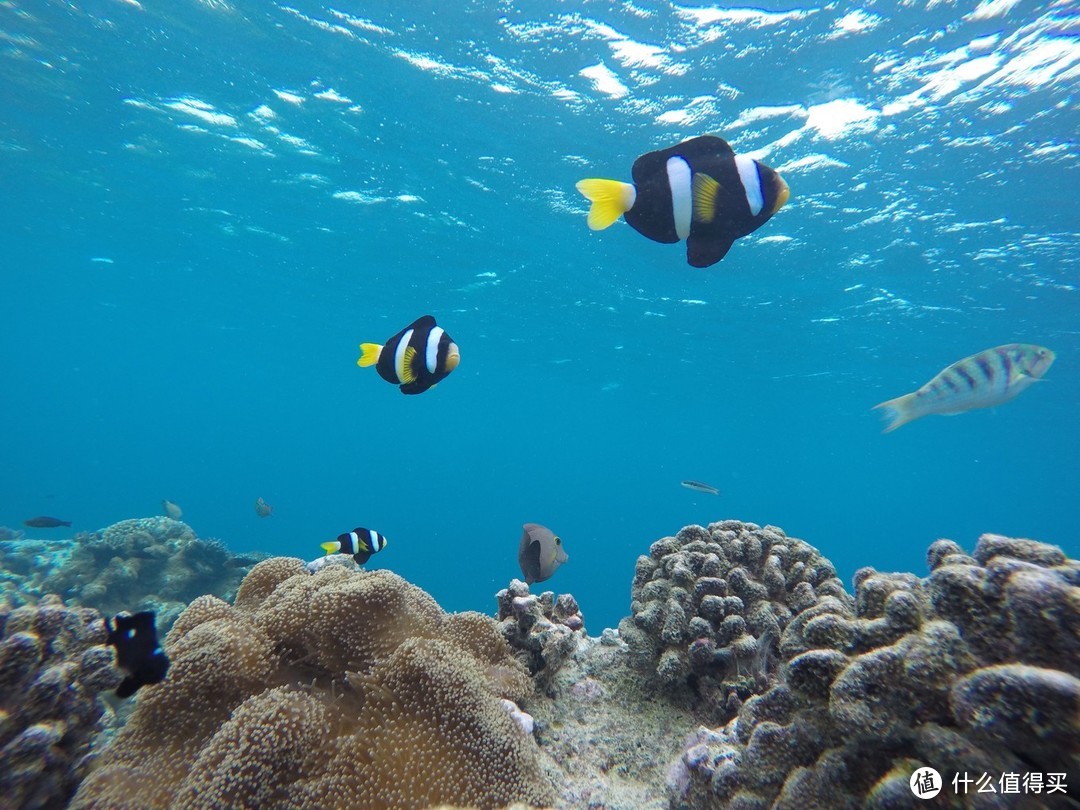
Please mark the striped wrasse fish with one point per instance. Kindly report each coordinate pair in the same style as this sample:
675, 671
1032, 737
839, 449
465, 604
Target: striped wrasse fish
983, 380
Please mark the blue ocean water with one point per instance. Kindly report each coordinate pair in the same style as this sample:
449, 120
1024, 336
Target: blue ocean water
206, 206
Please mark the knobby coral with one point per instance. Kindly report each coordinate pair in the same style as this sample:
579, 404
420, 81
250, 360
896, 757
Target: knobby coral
335, 689
53, 665
710, 604
975, 669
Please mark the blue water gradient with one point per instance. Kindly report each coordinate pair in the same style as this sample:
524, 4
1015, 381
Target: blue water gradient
207, 206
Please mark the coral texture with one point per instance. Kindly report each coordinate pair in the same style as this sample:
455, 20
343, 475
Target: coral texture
154, 563
53, 665
545, 629
971, 670
709, 606
338, 689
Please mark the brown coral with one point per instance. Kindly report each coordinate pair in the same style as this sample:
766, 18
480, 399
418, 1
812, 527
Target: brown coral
335, 689
973, 669
154, 563
709, 606
53, 665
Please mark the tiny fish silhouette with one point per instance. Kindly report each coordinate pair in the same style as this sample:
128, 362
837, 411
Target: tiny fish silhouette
45, 522
262, 508
172, 510
698, 486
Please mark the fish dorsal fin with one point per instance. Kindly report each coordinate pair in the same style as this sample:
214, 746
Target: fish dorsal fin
610, 200
704, 189
369, 354
407, 373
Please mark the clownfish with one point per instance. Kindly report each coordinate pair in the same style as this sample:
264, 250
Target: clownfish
361, 543
415, 359
698, 190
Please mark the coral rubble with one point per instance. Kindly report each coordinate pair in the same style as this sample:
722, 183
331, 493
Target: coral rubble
334, 689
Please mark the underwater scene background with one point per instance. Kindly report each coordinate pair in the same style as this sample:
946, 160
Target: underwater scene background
208, 205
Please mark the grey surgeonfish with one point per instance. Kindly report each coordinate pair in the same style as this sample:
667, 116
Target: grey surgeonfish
540, 553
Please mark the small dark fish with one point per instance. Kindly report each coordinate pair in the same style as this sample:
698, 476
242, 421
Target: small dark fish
262, 508
137, 651
697, 486
698, 190
360, 542
415, 359
45, 522
539, 553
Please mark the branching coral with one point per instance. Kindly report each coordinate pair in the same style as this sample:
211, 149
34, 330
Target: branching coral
335, 689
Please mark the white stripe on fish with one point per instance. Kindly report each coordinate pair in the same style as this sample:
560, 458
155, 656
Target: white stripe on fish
982, 380
682, 201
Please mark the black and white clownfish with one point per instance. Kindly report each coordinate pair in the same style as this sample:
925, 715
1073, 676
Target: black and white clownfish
360, 542
698, 190
138, 653
416, 358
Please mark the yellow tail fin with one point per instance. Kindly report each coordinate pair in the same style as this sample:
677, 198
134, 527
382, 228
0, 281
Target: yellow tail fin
610, 200
369, 354
898, 412
332, 547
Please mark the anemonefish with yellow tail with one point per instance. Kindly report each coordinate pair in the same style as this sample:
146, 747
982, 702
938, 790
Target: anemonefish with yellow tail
415, 359
698, 190
360, 542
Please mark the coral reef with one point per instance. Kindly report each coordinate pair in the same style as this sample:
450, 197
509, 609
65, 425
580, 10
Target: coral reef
746, 677
154, 563
972, 670
334, 689
545, 629
53, 665
710, 604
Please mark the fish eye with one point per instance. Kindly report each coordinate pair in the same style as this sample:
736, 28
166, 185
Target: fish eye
558, 540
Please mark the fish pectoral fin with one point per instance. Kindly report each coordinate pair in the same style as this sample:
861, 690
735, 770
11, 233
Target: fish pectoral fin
408, 375
702, 251
369, 354
610, 200
704, 190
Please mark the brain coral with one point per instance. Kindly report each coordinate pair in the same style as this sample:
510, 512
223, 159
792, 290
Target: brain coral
339, 689
52, 667
710, 604
975, 669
